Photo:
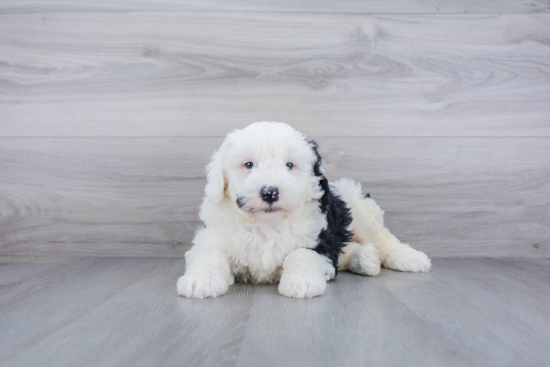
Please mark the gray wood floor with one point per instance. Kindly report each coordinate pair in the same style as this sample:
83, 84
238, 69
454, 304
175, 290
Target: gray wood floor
108, 312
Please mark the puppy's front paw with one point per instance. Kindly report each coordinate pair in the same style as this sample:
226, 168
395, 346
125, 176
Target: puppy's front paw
413, 261
202, 285
302, 285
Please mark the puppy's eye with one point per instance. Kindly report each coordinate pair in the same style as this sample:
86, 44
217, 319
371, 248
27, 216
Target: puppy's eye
290, 165
249, 165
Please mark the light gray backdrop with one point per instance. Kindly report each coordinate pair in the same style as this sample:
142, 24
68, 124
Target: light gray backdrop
109, 112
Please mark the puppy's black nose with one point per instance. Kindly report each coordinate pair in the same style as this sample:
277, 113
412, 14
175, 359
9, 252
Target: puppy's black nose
269, 194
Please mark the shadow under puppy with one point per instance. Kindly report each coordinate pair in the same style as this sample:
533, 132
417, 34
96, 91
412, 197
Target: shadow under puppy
271, 216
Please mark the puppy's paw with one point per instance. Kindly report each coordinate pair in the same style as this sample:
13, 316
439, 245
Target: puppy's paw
365, 260
302, 285
202, 285
413, 261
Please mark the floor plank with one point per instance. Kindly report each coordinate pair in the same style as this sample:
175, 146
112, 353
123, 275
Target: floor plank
205, 73
48, 302
176, 331
466, 312
356, 323
328, 6
468, 197
15, 270
465, 296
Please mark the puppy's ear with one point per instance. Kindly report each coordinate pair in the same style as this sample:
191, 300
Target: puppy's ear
318, 171
215, 183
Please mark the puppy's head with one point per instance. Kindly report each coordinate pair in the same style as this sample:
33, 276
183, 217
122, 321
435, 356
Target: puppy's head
267, 170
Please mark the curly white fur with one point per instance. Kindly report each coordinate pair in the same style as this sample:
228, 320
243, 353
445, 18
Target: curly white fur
368, 229
247, 239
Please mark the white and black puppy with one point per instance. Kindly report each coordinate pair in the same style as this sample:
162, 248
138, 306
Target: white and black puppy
271, 216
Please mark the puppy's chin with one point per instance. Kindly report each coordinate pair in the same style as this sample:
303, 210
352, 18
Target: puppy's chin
261, 212
269, 215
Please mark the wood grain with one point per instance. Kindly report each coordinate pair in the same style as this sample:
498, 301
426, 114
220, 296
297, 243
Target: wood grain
14, 270
121, 312
355, 323
162, 74
332, 6
112, 197
143, 324
139, 197
55, 299
463, 296
465, 197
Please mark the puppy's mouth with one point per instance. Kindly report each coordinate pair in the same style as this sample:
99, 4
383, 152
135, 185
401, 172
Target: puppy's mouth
241, 203
271, 209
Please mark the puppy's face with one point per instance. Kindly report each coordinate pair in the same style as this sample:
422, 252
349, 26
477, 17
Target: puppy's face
265, 171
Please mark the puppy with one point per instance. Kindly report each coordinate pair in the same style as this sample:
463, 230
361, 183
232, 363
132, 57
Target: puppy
271, 216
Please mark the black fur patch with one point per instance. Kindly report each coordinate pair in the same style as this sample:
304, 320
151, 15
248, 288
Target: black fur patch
240, 201
331, 240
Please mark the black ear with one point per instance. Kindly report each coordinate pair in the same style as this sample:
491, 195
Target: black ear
317, 171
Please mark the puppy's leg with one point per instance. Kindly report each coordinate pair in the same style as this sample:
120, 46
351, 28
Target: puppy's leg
363, 260
207, 272
368, 226
400, 256
305, 274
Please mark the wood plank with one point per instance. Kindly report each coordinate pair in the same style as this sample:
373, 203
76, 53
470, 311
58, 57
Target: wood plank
204, 73
452, 197
480, 309
333, 6
113, 197
531, 275
33, 279
144, 324
112, 312
455, 197
14, 270
48, 303
356, 323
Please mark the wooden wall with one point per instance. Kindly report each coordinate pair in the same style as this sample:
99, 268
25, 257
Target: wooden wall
109, 111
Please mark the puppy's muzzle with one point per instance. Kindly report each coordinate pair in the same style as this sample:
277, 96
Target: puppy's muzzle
269, 194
